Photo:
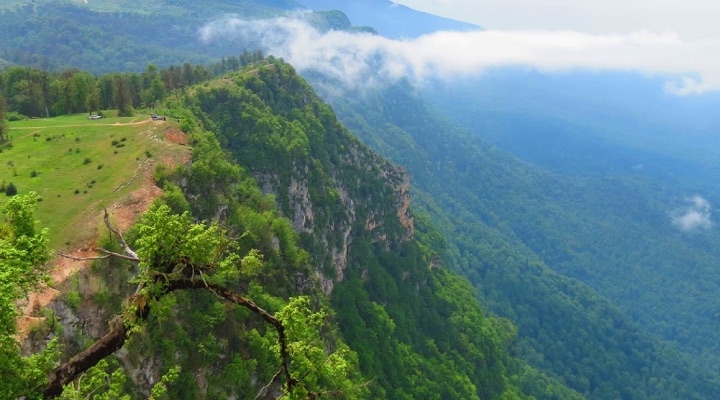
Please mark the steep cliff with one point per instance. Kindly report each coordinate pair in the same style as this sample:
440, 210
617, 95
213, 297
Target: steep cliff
305, 215
332, 187
417, 330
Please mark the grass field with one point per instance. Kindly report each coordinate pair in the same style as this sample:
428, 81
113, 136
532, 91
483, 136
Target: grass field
78, 166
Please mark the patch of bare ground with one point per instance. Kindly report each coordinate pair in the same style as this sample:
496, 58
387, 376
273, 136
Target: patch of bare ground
175, 135
124, 212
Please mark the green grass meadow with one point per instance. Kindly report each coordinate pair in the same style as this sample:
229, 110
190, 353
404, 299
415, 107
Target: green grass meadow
78, 166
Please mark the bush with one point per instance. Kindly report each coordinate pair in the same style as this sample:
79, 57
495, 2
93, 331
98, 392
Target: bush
33, 174
10, 189
87, 161
15, 116
73, 299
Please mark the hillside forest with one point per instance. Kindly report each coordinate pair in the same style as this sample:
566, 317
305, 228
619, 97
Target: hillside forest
299, 239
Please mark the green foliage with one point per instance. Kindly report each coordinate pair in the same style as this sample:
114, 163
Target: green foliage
174, 198
507, 224
160, 388
3, 115
104, 381
23, 252
165, 238
399, 322
10, 190
334, 374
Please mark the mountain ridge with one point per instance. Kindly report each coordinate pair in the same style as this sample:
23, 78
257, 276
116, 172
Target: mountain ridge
390, 19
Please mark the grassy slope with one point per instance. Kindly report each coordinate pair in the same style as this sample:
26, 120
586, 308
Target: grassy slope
57, 149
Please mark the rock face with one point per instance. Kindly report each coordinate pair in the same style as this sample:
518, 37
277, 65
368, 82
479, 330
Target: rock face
357, 207
331, 186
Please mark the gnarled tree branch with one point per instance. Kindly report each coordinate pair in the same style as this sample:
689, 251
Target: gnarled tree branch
115, 339
107, 255
120, 332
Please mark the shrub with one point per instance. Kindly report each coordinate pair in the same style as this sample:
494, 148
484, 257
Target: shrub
10, 189
87, 161
73, 300
15, 116
33, 174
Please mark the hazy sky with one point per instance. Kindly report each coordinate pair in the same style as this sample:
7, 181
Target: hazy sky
691, 19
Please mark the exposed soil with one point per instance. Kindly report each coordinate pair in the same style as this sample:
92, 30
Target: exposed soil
175, 135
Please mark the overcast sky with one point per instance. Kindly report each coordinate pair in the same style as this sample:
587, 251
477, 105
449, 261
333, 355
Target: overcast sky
691, 19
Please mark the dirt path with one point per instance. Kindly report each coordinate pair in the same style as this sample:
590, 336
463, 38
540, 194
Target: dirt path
84, 125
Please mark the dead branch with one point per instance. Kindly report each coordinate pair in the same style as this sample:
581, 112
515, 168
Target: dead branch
267, 387
118, 255
84, 258
120, 237
107, 255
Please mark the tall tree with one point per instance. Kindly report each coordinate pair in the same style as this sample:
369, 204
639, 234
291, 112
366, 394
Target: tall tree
3, 114
122, 96
156, 92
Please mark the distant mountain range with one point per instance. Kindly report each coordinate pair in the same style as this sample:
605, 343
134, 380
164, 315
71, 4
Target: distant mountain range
390, 19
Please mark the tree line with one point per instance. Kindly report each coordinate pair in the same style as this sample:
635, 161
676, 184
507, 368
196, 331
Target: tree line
29, 92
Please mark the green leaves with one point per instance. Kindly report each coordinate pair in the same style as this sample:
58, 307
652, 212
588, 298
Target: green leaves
23, 251
168, 241
318, 372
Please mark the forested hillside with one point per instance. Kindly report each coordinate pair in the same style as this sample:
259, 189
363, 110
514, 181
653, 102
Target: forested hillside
107, 36
356, 305
581, 266
523, 236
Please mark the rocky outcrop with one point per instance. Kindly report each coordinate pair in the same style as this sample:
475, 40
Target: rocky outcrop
346, 207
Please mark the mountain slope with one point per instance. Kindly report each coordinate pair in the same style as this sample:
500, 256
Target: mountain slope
351, 209
390, 19
508, 226
412, 328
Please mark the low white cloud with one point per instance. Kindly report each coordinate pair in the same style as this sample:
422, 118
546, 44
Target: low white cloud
690, 67
695, 216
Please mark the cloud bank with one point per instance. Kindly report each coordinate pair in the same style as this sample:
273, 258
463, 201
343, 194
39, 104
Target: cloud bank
695, 216
690, 67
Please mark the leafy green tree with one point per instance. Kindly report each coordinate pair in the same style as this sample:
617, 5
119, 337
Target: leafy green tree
93, 101
156, 92
122, 96
174, 254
